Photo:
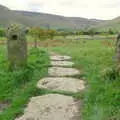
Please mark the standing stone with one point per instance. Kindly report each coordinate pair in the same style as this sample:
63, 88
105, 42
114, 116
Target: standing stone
118, 48
17, 46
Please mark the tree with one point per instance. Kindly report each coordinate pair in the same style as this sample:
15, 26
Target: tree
33, 33
91, 32
64, 34
36, 33
50, 33
110, 31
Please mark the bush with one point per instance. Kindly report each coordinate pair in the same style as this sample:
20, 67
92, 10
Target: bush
111, 74
2, 32
10, 81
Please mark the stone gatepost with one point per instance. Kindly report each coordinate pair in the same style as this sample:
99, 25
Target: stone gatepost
16, 46
118, 51
118, 48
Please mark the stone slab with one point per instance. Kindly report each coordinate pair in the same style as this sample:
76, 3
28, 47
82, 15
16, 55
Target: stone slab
61, 83
52, 107
60, 71
62, 63
60, 58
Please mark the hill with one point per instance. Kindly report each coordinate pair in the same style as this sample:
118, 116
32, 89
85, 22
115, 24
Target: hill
8, 16
30, 19
114, 24
55, 21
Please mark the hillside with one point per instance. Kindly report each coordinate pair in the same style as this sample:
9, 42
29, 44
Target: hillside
8, 16
114, 24
55, 21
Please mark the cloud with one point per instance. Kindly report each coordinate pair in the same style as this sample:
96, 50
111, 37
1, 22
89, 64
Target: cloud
102, 9
35, 7
15, 4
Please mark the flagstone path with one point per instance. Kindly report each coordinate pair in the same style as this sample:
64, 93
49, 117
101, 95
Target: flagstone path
56, 106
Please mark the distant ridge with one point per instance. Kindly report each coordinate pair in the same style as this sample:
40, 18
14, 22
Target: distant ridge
114, 24
56, 21
45, 20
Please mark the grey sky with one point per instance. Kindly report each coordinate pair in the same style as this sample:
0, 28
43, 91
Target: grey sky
100, 9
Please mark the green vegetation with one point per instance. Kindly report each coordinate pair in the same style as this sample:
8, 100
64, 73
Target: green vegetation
18, 86
2, 32
94, 57
102, 96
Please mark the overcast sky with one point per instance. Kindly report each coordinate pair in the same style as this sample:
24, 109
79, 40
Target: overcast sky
100, 9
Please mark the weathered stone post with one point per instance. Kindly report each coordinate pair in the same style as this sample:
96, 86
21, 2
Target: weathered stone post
16, 46
118, 51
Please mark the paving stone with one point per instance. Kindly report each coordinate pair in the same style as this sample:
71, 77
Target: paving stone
60, 71
61, 83
56, 106
60, 58
52, 107
62, 63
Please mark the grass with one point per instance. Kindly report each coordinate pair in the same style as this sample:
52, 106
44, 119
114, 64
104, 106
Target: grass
101, 99
17, 87
102, 96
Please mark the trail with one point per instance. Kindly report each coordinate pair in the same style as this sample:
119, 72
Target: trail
61, 77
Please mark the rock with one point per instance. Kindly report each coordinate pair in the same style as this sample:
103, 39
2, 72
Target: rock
52, 107
60, 71
60, 57
62, 63
61, 83
16, 46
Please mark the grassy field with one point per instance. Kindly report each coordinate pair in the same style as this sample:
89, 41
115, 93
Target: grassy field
101, 99
102, 96
17, 87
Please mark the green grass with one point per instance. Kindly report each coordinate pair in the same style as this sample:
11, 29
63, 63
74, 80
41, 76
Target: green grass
2, 38
102, 96
101, 99
17, 87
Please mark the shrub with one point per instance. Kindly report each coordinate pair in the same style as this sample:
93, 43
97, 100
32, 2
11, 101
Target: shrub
111, 73
2, 32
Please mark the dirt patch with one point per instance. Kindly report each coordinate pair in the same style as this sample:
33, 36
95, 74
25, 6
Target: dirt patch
4, 105
62, 83
52, 107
